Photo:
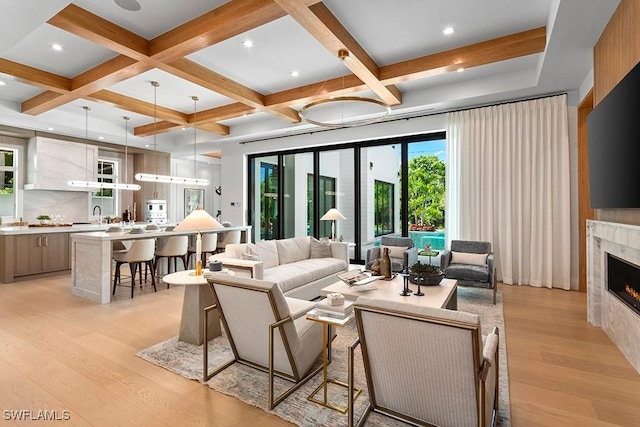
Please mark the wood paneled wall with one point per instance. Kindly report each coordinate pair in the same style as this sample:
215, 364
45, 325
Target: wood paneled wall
615, 54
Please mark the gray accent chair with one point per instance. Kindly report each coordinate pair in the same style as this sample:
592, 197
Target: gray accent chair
397, 264
266, 331
447, 377
482, 276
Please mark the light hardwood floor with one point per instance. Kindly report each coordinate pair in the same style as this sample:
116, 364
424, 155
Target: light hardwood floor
59, 352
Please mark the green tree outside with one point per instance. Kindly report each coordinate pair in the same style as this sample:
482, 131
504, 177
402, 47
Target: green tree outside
426, 191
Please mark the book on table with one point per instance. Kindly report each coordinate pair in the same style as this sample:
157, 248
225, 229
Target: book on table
343, 310
356, 277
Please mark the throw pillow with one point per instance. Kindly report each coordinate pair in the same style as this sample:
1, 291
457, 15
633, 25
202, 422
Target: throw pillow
395, 251
468, 258
320, 248
250, 257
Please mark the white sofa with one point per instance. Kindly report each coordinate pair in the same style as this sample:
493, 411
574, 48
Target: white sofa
301, 266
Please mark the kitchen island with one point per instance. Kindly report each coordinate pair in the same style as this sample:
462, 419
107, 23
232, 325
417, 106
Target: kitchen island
91, 258
31, 250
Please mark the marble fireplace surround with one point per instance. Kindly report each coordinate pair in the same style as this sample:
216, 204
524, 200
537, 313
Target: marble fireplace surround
604, 310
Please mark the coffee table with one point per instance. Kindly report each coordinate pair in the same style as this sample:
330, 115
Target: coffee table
444, 295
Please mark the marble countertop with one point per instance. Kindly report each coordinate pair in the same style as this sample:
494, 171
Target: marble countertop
127, 235
77, 228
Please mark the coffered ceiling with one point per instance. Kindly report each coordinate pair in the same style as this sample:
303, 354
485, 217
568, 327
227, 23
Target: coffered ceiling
500, 49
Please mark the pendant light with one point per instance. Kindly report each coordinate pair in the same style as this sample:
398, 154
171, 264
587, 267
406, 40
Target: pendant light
154, 177
96, 184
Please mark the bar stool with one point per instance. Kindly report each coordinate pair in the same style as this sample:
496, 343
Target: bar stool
227, 238
209, 245
142, 250
172, 248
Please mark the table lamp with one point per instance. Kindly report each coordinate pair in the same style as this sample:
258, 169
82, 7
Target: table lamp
332, 215
198, 220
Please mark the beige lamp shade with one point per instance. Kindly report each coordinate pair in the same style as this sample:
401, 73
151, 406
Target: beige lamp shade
198, 220
332, 214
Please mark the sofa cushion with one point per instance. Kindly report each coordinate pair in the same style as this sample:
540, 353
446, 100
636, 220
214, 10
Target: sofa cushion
320, 248
395, 251
292, 275
267, 250
293, 249
251, 257
235, 250
474, 273
468, 258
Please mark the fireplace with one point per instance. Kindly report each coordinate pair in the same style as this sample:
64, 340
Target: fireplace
623, 281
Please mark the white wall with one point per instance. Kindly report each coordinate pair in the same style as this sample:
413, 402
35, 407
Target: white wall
205, 170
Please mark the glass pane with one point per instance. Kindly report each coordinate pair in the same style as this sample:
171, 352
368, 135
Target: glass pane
380, 194
7, 197
265, 202
336, 191
6, 158
296, 169
108, 168
427, 194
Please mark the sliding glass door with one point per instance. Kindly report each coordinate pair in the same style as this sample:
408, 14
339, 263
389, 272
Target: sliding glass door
392, 187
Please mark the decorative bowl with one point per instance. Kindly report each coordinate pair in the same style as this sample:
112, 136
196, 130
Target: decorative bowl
426, 279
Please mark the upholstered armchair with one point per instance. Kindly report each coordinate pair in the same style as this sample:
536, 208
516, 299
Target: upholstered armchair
425, 365
401, 251
266, 331
471, 264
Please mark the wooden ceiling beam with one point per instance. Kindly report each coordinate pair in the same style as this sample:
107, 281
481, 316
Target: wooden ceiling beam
327, 29
35, 77
229, 20
104, 75
499, 49
204, 77
80, 22
140, 107
100, 31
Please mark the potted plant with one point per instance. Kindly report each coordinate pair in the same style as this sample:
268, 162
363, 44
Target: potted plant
44, 219
425, 274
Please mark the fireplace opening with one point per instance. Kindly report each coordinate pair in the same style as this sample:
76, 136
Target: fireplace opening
623, 281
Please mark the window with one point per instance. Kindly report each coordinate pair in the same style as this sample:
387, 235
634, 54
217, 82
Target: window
106, 198
326, 201
8, 174
383, 208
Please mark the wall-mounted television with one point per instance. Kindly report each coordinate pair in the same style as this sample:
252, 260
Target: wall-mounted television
613, 129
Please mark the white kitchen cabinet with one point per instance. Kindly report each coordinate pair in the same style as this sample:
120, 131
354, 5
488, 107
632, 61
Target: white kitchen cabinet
51, 163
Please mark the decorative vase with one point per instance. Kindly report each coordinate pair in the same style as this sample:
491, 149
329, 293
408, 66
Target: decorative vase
385, 264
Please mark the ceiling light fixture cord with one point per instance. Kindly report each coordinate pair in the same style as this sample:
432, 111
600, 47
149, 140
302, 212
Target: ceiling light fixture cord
195, 112
126, 148
86, 140
155, 144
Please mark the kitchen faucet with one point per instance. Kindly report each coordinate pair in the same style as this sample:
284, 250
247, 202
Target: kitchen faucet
99, 213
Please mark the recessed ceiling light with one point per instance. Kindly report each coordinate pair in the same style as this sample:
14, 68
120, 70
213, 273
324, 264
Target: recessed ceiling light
2, 83
130, 5
448, 31
294, 73
247, 43
50, 129
460, 70
183, 129
146, 145
101, 137
57, 47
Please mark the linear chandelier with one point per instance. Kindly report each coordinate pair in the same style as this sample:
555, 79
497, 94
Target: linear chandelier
97, 184
342, 101
169, 179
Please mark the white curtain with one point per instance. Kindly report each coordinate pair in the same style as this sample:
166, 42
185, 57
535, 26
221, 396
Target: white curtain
508, 183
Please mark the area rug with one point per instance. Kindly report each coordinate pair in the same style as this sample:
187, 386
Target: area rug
251, 385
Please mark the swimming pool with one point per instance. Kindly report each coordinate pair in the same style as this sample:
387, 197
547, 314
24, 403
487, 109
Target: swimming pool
421, 238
